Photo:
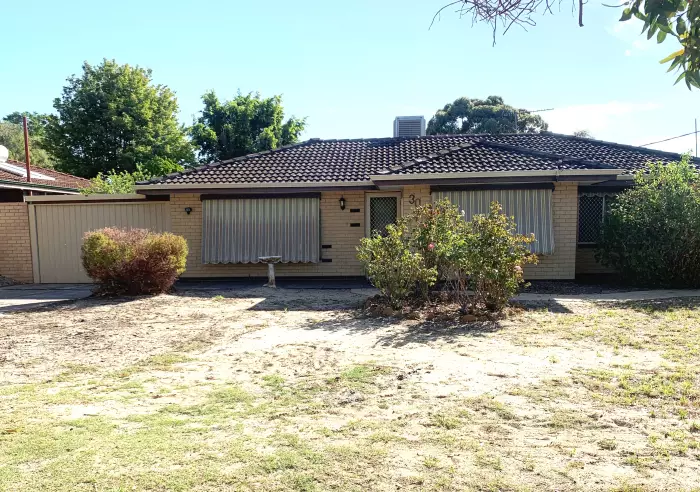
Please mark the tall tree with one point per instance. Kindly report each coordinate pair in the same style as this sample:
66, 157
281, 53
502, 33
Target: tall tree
677, 20
12, 137
113, 117
490, 115
36, 122
246, 124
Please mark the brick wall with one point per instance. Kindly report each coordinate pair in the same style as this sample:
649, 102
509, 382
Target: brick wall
15, 250
337, 232
562, 264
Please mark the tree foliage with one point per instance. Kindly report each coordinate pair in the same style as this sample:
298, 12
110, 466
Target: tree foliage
116, 183
651, 234
490, 115
36, 122
583, 134
666, 19
12, 137
246, 124
114, 117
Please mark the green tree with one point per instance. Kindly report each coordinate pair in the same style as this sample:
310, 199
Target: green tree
12, 137
490, 115
113, 117
677, 20
116, 183
36, 122
583, 134
246, 124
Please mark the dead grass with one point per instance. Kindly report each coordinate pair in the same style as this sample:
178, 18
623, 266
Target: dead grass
288, 391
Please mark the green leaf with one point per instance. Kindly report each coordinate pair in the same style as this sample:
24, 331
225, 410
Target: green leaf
675, 63
680, 77
640, 16
681, 28
626, 15
673, 55
660, 37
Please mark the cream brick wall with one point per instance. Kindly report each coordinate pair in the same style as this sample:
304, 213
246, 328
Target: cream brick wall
562, 264
336, 231
15, 250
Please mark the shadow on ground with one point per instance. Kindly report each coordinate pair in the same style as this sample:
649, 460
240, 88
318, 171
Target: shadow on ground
654, 305
396, 332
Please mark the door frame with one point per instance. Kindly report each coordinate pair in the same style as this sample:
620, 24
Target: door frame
380, 194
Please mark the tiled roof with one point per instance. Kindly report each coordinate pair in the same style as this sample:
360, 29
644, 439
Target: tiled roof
357, 159
625, 157
60, 180
484, 156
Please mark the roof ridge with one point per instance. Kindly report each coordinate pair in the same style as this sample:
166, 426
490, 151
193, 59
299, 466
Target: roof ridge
432, 156
549, 155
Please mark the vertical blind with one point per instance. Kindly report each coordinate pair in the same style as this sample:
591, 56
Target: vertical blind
532, 210
241, 230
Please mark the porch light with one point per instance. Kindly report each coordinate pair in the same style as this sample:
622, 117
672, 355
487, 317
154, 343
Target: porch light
342, 203
188, 210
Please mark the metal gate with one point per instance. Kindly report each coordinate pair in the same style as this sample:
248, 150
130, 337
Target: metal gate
57, 231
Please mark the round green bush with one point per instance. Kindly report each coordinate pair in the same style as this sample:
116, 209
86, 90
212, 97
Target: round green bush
133, 261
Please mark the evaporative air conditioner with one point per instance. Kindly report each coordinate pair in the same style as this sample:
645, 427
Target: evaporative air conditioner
409, 126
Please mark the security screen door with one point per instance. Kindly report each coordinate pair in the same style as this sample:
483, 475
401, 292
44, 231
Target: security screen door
382, 211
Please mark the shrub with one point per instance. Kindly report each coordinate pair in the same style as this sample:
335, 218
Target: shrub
133, 261
494, 256
651, 234
391, 266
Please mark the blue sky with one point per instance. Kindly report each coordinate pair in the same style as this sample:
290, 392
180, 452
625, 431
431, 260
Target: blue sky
350, 67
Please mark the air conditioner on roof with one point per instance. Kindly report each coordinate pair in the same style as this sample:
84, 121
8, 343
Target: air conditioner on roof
409, 126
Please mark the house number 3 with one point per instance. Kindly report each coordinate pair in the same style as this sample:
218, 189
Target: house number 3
413, 200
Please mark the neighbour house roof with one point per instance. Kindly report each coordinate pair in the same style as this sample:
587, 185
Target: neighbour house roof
357, 160
15, 171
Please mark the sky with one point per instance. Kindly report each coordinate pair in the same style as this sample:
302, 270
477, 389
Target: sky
351, 67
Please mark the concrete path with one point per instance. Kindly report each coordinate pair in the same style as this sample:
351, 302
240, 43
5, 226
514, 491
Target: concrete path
18, 297
639, 295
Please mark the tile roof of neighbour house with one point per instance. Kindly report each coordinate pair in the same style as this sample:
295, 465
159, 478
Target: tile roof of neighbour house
355, 160
40, 176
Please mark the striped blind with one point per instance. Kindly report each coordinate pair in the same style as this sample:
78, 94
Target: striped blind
240, 230
532, 210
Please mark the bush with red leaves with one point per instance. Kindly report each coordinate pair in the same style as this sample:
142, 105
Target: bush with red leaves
133, 261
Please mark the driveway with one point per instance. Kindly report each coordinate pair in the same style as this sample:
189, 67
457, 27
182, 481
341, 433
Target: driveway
18, 297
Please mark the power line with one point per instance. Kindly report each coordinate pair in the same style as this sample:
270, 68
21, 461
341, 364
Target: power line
672, 138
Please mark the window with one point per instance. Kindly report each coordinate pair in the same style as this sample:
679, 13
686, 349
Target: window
532, 210
592, 207
241, 230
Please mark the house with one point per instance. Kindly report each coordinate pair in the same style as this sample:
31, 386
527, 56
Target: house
312, 202
14, 185
15, 252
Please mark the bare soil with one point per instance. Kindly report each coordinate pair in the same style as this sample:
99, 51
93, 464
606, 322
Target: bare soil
300, 390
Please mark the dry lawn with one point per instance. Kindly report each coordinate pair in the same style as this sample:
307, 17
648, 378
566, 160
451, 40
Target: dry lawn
296, 390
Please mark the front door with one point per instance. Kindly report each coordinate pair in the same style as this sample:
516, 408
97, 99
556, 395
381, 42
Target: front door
382, 210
